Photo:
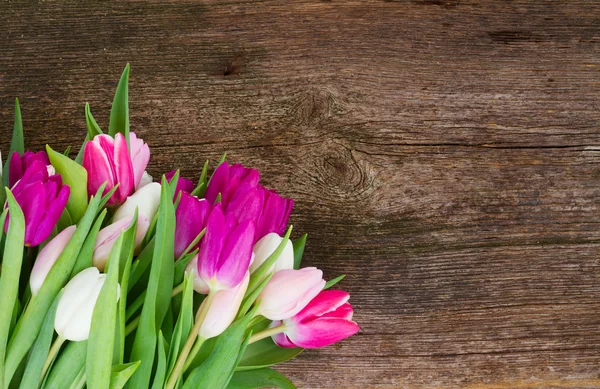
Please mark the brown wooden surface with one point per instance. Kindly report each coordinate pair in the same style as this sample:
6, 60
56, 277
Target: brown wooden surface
444, 154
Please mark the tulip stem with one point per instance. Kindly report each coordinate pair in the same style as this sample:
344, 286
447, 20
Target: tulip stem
197, 346
51, 355
176, 290
132, 326
266, 333
187, 347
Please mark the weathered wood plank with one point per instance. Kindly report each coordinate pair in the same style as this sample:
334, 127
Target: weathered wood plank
444, 154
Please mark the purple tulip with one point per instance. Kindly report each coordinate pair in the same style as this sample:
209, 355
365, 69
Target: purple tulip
108, 160
190, 220
19, 163
327, 319
265, 207
226, 179
42, 198
183, 184
225, 250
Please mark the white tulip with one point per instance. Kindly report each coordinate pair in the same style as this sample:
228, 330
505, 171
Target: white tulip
146, 200
267, 246
76, 305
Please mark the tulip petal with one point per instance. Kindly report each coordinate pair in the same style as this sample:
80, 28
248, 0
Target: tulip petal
212, 245
325, 302
75, 293
47, 257
97, 164
322, 332
140, 155
190, 218
53, 211
123, 170
282, 340
218, 182
236, 255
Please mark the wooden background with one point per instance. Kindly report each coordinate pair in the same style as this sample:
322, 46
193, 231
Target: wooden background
444, 154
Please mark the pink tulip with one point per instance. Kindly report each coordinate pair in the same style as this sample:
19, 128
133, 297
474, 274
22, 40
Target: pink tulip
108, 235
275, 213
108, 160
43, 198
140, 155
227, 178
223, 309
190, 220
289, 291
183, 184
327, 319
18, 164
225, 250
47, 257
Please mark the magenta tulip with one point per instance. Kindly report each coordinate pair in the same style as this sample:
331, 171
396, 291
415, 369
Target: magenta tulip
46, 258
327, 319
183, 184
190, 220
19, 163
108, 160
225, 250
275, 213
43, 198
289, 291
227, 178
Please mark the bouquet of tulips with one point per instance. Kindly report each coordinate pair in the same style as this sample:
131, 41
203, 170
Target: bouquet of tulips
111, 280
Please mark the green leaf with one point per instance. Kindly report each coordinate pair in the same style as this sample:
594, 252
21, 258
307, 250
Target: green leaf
266, 353
124, 269
67, 366
11, 270
39, 352
331, 283
17, 143
200, 189
104, 324
121, 373
93, 130
158, 294
143, 261
261, 378
299, 250
119, 113
84, 259
67, 151
184, 323
31, 320
161, 365
75, 176
79, 381
216, 371
249, 299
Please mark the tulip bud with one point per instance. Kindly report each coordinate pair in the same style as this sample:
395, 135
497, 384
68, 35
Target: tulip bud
225, 250
223, 309
109, 160
19, 164
267, 246
289, 291
190, 220
76, 305
42, 198
146, 179
327, 319
146, 200
227, 178
108, 235
46, 258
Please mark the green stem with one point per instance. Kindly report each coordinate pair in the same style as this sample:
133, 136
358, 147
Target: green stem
176, 290
187, 347
266, 333
132, 326
197, 346
51, 355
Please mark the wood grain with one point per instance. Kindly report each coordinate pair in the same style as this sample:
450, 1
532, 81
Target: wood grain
444, 154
